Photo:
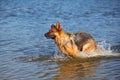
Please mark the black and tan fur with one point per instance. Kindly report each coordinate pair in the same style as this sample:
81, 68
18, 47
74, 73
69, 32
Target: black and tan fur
71, 43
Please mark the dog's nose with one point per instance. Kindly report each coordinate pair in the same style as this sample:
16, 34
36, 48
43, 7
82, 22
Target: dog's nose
45, 34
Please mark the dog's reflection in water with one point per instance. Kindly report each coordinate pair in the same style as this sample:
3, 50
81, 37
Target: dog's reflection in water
75, 70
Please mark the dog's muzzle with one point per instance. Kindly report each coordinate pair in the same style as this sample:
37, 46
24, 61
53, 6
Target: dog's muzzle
45, 34
48, 36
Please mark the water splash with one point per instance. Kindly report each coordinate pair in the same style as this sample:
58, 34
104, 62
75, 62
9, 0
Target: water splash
58, 56
106, 49
104, 46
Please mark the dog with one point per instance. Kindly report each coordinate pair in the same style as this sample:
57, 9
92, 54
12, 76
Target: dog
71, 43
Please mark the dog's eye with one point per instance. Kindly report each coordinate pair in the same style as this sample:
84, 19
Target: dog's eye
51, 31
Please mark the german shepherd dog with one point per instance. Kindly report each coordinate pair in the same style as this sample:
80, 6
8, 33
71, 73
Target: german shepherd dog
71, 43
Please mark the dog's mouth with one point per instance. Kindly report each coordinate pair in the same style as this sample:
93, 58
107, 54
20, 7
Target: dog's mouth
49, 36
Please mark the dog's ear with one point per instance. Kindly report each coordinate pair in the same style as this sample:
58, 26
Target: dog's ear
53, 26
58, 25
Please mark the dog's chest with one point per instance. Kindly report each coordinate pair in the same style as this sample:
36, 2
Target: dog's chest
68, 47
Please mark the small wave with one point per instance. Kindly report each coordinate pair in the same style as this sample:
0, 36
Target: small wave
34, 58
58, 56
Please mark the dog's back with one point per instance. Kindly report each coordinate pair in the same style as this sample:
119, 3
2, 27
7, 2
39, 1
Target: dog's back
83, 38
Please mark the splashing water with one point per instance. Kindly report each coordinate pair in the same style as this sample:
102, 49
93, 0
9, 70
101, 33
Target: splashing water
106, 49
58, 56
105, 46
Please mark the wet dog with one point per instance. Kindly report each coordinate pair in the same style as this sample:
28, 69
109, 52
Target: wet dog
72, 43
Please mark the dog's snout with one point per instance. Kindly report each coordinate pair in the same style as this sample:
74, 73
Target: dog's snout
45, 34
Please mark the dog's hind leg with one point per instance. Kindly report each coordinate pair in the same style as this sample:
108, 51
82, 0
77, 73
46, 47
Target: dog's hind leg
89, 47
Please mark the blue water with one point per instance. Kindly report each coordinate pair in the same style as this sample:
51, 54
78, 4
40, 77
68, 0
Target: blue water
25, 54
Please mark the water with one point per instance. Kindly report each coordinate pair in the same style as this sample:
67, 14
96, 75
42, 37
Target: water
25, 54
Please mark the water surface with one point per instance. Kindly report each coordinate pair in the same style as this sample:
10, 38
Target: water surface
25, 54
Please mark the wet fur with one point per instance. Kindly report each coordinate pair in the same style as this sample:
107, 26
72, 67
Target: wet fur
71, 43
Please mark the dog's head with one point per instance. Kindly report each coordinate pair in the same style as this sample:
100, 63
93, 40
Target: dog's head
54, 31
